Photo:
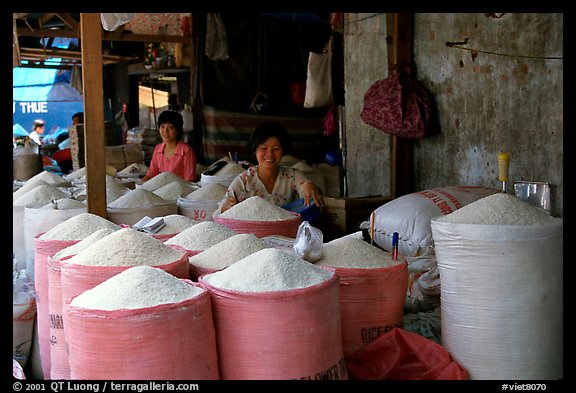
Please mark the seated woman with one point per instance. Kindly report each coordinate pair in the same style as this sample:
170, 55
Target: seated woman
279, 184
173, 154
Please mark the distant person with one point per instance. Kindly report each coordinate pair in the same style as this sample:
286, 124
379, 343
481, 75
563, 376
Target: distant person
173, 104
275, 182
63, 157
37, 134
173, 154
78, 118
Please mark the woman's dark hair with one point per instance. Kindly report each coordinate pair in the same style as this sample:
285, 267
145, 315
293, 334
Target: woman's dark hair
269, 129
174, 118
80, 116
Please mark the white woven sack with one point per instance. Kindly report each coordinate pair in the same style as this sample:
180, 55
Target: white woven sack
198, 210
410, 216
225, 180
38, 221
501, 298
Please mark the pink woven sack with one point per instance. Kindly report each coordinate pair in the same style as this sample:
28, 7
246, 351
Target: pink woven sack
172, 341
372, 303
288, 228
75, 279
43, 249
399, 105
59, 365
279, 335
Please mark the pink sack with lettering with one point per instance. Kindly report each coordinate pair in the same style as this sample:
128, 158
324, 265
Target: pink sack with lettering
372, 302
43, 250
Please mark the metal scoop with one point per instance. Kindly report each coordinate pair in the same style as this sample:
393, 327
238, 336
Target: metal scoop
535, 193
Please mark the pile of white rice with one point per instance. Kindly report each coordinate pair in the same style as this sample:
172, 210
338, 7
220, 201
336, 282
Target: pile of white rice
256, 208
114, 189
208, 192
64, 204
133, 170
137, 287
76, 175
78, 227
269, 269
351, 252
228, 251
49, 177
162, 179
499, 209
201, 236
176, 223
29, 185
127, 247
139, 197
83, 244
231, 168
172, 191
39, 196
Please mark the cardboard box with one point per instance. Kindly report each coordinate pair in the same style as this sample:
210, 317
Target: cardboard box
342, 216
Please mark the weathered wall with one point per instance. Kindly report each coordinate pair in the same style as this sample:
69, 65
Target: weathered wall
368, 149
506, 95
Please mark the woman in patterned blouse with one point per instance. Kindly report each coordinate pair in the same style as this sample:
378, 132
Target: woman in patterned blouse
278, 184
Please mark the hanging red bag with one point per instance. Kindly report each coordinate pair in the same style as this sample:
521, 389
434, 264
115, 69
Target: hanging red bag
402, 355
399, 105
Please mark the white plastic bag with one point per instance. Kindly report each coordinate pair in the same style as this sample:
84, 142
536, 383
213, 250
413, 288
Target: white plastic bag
309, 243
112, 21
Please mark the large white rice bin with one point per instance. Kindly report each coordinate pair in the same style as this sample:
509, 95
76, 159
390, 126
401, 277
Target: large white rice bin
500, 264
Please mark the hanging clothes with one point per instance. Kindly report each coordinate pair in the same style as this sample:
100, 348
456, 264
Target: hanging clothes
216, 40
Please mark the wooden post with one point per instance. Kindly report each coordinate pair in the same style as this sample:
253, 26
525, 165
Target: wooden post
400, 37
94, 129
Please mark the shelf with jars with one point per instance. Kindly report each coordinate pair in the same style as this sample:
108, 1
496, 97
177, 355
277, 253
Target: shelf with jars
158, 59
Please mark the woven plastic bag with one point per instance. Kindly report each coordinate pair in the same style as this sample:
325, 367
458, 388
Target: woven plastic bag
399, 105
402, 355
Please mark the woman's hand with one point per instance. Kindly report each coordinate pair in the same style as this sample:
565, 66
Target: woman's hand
228, 203
312, 192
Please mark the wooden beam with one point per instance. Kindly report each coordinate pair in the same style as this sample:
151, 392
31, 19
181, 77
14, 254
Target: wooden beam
15, 46
45, 18
106, 36
118, 33
94, 129
69, 21
400, 38
35, 54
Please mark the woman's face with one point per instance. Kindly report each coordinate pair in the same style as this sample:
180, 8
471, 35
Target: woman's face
269, 153
168, 132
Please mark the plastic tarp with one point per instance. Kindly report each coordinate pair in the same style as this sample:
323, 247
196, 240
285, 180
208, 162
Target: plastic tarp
44, 93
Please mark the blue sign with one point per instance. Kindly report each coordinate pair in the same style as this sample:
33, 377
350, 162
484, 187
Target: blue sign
44, 94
